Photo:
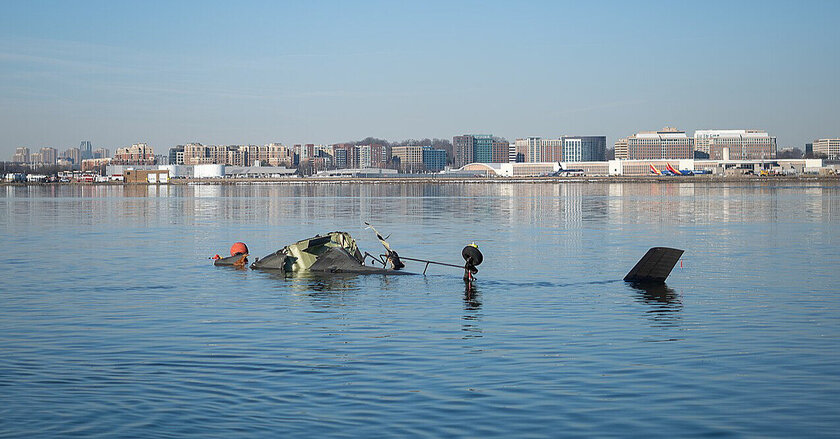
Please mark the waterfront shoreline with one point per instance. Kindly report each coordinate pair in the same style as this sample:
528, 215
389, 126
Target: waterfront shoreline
456, 180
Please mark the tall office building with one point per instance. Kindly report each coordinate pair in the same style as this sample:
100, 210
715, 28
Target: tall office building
346, 156
537, 149
500, 151
371, 156
21, 155
621, 149
483, 148
48, 155
87, 149
828, 147
411, 157
741, 144
462, 150
101, 153
513, 157
473, 148
669, 143
434, 159
584, 148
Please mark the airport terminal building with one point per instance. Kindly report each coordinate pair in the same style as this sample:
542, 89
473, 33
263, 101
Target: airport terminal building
635, 168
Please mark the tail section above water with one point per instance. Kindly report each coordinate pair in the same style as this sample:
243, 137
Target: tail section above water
655, 265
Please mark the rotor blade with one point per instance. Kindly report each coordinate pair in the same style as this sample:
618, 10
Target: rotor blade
379, 237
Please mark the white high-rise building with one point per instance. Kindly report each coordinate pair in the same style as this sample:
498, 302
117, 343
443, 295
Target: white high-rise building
829, 147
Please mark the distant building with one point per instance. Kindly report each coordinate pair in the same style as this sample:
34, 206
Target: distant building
278, 155
471, 148
828, 147
669, 143
539, 150
417, 158
101, 153
306, 151
529, 169
176, 155
87, 149
564, 148
371, 156
584, 148
512, 156
462, 150
501, 151
809, 149
621, 149
346, 155
146, 176
340, 156
273, 154
483, 148
411, 157
137, 154
21, 155
48, 155
94, 164
741, 144
358, 173
434, 159
73, 155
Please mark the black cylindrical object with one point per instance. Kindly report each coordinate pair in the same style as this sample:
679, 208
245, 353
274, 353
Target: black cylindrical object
472, 255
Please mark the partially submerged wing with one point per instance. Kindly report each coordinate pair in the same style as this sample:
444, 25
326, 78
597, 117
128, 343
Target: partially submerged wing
655, 265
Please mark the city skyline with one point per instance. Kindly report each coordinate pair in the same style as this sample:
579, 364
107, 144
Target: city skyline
334, 72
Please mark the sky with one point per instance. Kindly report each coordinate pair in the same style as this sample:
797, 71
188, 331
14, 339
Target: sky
172, 72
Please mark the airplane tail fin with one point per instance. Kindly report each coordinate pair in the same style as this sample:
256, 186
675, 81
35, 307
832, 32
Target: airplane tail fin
653, 170
672, 169
655, 265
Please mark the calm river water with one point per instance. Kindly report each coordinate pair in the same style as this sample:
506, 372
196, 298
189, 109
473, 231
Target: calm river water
113, 322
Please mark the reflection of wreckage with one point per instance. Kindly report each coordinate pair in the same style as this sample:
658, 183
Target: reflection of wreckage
337, 252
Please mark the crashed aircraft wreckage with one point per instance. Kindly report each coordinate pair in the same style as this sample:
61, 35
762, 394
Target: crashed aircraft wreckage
337, 252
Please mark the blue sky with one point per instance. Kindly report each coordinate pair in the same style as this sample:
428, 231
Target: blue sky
166, 73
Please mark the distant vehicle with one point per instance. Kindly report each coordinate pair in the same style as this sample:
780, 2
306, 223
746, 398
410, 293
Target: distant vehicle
671, 171
568, 173
674, 171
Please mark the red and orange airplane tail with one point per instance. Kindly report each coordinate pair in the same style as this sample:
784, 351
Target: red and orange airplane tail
653, 170
671, 168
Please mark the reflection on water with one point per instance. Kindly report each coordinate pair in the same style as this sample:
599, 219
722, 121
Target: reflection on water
663, 301
472, 307
472, 300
